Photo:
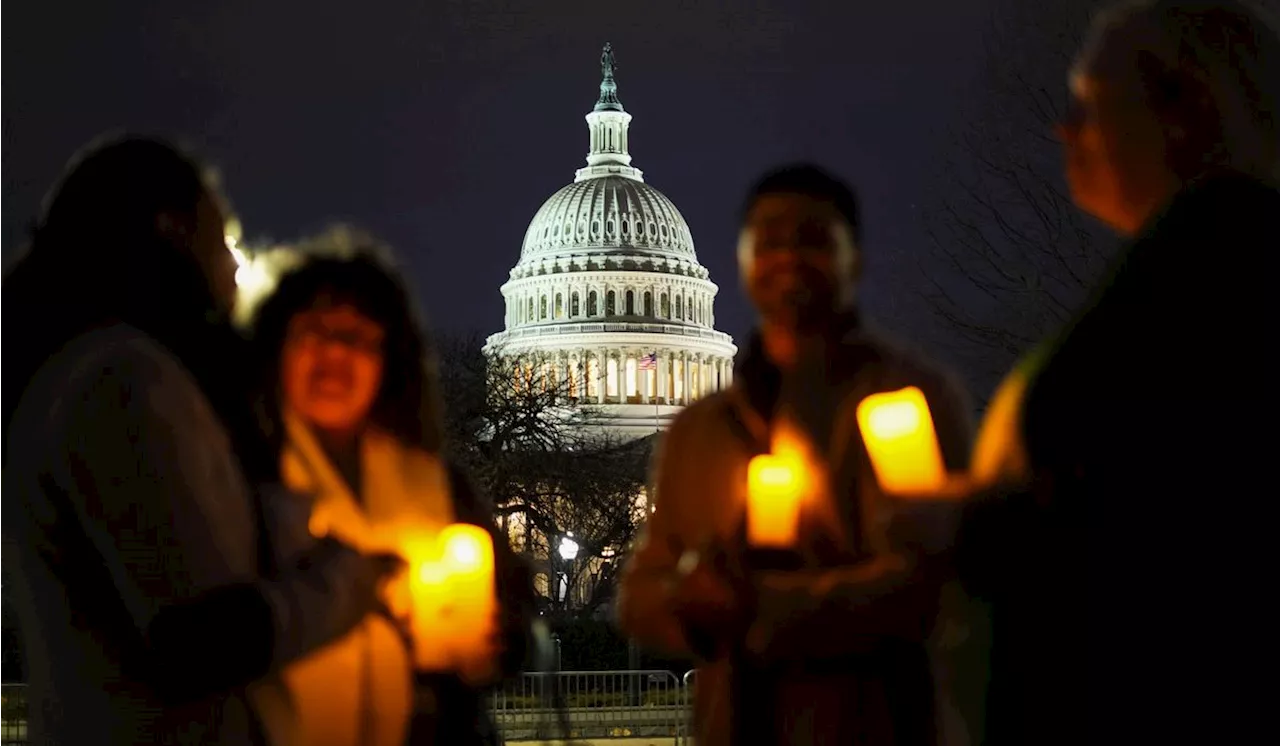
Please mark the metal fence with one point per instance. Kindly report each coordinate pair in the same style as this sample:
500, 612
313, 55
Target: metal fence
13, 714
593, 705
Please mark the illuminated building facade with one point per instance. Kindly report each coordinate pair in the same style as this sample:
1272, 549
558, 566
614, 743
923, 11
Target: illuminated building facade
608, 296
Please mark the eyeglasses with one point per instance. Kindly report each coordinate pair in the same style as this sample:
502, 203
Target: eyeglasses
312, 333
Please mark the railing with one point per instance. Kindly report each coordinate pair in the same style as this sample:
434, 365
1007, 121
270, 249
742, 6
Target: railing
13, 714
594, 705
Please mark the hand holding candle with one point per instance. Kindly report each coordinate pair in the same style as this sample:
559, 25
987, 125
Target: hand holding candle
453, 597
899, 435
468, 561
776, 483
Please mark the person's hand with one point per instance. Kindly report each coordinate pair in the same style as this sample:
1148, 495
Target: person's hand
480, 668
923, 524
706, 602
332, 588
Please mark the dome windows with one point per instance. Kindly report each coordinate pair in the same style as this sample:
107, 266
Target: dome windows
648, 303
610, 303
631, 303
593, 304
574, 310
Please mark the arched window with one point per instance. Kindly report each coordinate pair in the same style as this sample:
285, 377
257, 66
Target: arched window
666, 306
542, 308
574, 310
610, 303
559, 305
679, 307
529, 315
648, 303
631, 303
593, 305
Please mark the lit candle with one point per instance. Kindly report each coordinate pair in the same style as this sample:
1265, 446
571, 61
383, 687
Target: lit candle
775, 490
900, 439
432, 643
467, 558
428, 590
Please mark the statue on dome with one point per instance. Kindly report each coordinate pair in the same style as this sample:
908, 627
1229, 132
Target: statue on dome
607, 63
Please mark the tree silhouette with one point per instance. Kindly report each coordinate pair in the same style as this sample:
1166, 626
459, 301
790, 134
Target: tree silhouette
1010, 257
551, 471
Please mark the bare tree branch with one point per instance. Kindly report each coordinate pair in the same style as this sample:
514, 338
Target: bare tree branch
523, 429
1010, 258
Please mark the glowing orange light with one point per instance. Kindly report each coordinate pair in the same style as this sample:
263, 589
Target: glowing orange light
469, 564
900, 439
776, 484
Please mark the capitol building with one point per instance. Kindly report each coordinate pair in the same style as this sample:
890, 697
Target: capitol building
608, 297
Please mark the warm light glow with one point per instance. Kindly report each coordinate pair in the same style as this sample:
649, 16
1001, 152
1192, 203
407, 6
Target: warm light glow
568, 548
998, 452
431, 573
463, 551
899, 435
775, 486
468, 562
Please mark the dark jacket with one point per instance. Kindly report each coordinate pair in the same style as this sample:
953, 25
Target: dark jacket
1146, 433
843, 666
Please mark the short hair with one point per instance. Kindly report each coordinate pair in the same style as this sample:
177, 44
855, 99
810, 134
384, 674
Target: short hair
348, 267
1228, 47
810, 181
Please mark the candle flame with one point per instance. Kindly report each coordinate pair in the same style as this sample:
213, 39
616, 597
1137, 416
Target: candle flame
463, 550
773, 472
898, 433
894, 419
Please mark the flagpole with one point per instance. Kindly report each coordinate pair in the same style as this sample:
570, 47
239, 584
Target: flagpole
657, 427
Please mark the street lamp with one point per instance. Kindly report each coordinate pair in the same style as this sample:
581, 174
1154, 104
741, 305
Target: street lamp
568, 548
568, 551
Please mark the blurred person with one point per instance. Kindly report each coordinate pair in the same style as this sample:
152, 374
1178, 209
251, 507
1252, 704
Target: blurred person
148, 606
1114, 549
837, 646
355, 379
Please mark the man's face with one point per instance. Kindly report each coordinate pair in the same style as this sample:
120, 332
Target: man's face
797, 259
1115, 149
331, 367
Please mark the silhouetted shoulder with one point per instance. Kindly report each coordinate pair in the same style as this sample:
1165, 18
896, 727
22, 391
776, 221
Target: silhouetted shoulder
114, 368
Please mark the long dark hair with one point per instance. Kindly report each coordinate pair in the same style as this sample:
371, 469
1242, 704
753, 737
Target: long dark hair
96, 258
348, 268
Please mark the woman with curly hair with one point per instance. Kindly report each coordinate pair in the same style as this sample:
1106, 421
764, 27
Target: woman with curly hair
353, 374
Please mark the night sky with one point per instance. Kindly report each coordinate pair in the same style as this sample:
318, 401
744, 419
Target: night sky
442, 126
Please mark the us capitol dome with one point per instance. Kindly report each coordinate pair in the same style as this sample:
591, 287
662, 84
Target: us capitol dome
608, 295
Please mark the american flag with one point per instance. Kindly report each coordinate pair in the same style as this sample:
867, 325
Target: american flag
649, 362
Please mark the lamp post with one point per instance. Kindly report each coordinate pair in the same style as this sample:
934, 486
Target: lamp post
568, 551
